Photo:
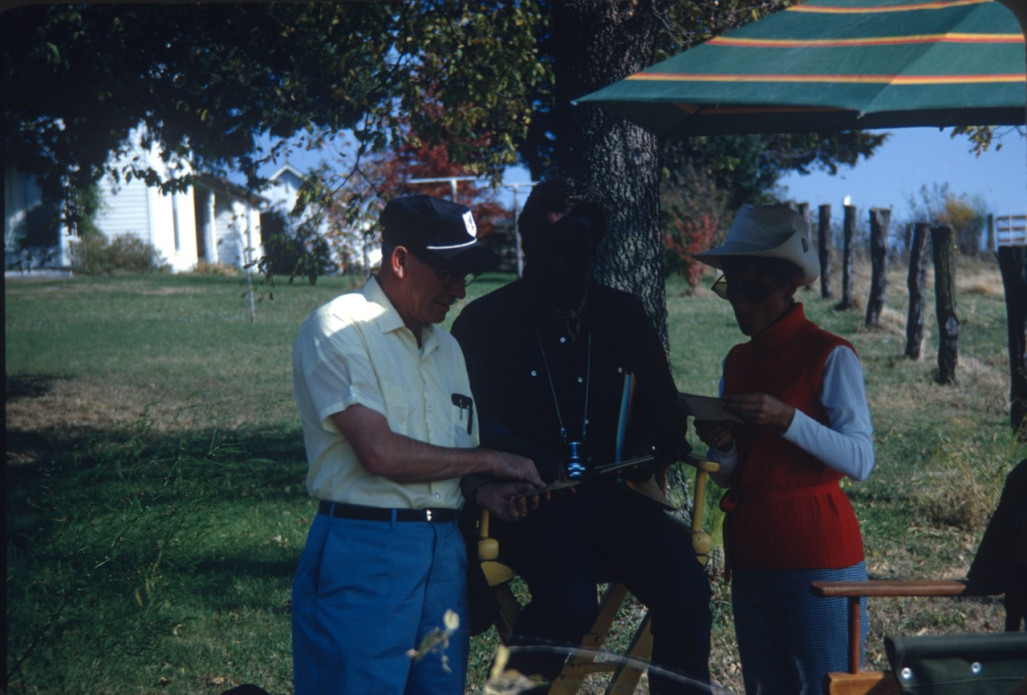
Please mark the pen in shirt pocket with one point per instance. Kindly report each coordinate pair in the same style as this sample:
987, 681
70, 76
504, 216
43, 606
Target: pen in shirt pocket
465, 403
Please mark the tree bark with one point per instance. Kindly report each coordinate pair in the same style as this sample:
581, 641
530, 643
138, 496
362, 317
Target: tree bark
824, 249
596, 43
943, 242
916, 282
1012, 261
848, 229
880, 219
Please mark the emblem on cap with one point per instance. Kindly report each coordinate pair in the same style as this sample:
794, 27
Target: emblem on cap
472, 229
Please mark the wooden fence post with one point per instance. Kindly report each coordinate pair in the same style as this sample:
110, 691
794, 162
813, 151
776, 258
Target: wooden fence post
880, 219
991, 232
803, 209
824, 249
848, 229
943, 242
916, 283
1012, 261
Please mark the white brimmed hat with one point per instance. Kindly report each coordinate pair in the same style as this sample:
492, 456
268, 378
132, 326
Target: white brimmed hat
768, 231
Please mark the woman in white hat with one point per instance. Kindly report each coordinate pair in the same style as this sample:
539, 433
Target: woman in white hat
803, 425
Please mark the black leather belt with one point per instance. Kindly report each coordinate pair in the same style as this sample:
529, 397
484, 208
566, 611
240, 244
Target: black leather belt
356, 511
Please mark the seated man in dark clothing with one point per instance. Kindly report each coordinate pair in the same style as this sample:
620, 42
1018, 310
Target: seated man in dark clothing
547, 357
1000, 566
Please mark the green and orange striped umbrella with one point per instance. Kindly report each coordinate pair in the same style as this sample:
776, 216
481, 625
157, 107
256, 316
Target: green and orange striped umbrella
838, 65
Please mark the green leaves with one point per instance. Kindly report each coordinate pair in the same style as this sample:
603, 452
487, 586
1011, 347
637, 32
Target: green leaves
211, 77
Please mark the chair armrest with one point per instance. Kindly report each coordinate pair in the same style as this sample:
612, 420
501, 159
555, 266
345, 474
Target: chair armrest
854, 591
889, 587
702, 543
697, 461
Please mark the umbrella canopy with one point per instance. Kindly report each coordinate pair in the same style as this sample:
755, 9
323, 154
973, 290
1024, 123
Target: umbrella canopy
838, 65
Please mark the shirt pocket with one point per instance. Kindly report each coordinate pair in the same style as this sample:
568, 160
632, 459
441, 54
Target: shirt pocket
463, 420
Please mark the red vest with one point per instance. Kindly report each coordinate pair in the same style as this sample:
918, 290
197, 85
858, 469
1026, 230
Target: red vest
785, 509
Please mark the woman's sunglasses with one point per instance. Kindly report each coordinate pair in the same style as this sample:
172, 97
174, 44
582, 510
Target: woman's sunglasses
750, 294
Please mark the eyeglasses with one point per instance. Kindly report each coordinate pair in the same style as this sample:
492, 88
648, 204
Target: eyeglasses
447, 276
750, 294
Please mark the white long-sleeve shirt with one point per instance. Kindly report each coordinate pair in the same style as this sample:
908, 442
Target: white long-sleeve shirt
845, 443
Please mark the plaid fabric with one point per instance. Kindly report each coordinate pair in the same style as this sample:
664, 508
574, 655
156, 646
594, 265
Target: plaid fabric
789, 639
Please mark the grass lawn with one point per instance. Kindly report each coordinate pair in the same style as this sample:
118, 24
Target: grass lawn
155, 499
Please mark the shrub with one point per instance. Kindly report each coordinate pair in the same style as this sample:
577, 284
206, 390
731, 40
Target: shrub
966, 217
301, 252
95, 254
214, 269
692, 209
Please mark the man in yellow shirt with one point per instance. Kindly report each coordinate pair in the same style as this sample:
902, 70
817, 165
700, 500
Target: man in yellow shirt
389, 427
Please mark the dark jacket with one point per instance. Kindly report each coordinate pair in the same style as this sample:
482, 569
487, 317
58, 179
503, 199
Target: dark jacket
528, 375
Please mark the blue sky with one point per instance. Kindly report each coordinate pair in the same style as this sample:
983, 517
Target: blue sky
910, 159
916, 157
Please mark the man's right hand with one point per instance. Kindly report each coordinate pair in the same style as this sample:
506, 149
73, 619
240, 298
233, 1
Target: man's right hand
502, 501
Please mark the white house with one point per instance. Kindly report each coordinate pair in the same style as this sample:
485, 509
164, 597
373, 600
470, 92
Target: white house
351, 247
213, 221
28, 217
286, 183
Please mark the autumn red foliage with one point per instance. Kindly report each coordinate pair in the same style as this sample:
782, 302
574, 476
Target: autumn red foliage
418, 159
693, 208
690, 236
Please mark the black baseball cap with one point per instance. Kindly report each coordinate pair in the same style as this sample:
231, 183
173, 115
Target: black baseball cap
440, 228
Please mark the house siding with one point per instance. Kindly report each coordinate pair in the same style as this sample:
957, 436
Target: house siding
130, 214
213, 221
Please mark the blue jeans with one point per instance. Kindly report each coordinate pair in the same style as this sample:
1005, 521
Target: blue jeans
367, 592
788, 639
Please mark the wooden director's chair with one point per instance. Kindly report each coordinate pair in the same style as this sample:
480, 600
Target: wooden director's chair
856, 681
626, 671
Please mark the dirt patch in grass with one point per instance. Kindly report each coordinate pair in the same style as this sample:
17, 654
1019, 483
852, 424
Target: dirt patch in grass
58, 403
29, 288
172, 290
38, 404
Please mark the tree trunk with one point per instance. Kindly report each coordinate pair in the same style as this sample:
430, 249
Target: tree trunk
598, 42
880, 219
824, 249
943, 242
916, 282
1012, 261
848, 229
